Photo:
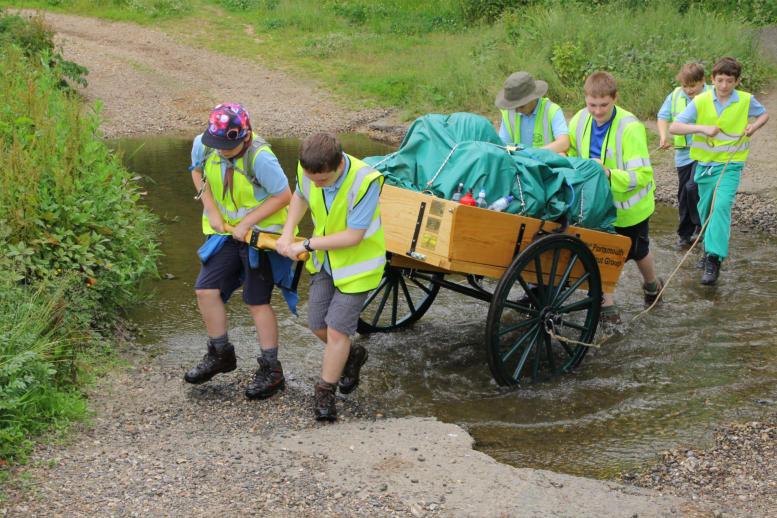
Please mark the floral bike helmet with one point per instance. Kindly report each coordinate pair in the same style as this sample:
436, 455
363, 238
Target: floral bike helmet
228, 126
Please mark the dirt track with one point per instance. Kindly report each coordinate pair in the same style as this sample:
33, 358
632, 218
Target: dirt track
148, 83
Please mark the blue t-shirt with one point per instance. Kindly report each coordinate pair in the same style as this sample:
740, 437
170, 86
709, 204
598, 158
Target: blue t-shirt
682, 155
598, 134
267, 170
690, 114
360, 216
558, 124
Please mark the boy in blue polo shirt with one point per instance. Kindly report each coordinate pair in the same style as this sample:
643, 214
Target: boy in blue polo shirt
529, 118
719, 121
347, 256
691, 79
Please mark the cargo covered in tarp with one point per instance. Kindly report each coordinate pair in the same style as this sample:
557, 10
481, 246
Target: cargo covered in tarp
441, 151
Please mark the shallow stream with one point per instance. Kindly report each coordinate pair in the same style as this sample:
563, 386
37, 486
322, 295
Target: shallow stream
704, 356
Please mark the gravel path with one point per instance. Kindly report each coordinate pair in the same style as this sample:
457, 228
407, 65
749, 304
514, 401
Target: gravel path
735, 477
159, 447
149, 83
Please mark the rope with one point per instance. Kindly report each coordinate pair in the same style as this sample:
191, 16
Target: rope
738, 144
549, 328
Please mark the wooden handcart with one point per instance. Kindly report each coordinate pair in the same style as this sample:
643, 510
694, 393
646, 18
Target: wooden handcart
543, 282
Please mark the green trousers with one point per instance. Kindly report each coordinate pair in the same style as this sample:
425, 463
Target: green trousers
718, 231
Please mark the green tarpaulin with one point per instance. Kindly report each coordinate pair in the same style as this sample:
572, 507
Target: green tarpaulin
441, 151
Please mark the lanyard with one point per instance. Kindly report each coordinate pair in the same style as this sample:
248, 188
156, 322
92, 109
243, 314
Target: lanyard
603, 153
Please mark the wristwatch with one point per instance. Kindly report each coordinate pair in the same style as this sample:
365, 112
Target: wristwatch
306, 244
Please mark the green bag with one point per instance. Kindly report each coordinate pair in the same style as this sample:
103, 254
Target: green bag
441, 151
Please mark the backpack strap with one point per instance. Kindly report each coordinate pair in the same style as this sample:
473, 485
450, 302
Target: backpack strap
250, 156
248, 161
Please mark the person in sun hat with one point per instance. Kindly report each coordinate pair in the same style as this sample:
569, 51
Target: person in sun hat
530, 119
241, 186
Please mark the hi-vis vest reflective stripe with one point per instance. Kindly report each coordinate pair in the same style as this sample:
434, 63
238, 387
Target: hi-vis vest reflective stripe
679, 103
733, 121
242, 200
358, 268
543, 127
637, 203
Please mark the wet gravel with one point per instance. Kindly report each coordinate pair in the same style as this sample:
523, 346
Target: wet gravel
159, 447
735, 476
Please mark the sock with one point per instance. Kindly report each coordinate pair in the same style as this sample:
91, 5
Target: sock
652, 287
606, 310
271, 355
219, 343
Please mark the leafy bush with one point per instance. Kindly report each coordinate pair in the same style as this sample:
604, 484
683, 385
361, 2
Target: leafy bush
66, 204
74, 243
36, 41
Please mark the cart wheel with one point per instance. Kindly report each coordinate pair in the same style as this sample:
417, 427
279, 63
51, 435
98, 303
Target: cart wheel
518, 330
401, 298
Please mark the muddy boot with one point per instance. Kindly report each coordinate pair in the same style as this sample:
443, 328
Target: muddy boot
350, 378
214, 362
653, 292
268, 380
324, 408
711, 271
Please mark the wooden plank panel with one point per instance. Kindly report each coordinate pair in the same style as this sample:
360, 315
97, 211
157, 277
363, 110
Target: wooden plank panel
463, 239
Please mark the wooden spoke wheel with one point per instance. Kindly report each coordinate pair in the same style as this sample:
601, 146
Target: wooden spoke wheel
401, 298
541, 333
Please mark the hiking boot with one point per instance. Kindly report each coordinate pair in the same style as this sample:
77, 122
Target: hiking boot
711, 271
350, 378
214, 362
695, 235
324, 407
610, 315
701, 262
610, 323
268, 380
652, 295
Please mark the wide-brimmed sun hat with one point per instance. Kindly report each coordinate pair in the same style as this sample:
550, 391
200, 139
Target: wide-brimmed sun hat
519, 89
228, 126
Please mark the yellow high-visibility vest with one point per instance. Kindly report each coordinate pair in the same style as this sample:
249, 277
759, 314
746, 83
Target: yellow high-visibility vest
543, 123
358, 268
626, 155
235, 206
729, 144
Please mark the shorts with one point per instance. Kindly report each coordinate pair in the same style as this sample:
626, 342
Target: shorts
330, 307
640, 242
228, 268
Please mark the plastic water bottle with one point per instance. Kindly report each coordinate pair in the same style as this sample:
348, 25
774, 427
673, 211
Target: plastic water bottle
481, 201
459, 192
502, 203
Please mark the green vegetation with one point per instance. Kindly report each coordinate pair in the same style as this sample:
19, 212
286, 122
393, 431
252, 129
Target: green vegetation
452, 55
73, 241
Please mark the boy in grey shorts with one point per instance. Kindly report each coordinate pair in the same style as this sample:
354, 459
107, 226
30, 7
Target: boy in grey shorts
347, 256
